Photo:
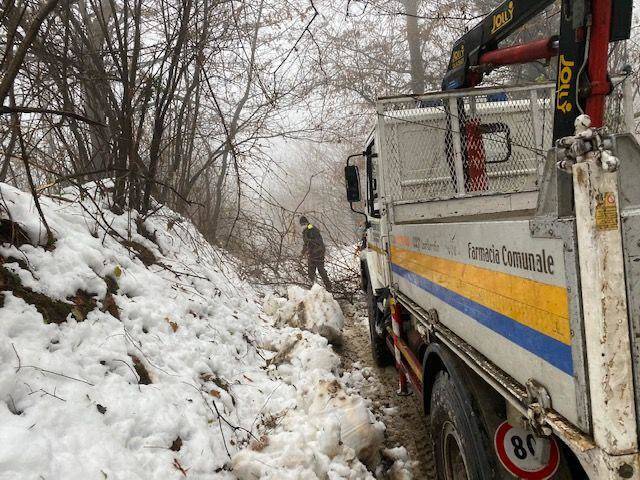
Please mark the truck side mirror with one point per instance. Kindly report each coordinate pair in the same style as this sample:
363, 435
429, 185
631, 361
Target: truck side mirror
352, 179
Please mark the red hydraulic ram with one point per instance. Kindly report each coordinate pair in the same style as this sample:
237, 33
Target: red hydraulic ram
525, 53
598, 59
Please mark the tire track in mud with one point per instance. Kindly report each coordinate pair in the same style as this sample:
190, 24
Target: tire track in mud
403, 416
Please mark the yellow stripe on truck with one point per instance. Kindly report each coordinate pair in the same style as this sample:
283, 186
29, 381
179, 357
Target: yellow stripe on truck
537, 305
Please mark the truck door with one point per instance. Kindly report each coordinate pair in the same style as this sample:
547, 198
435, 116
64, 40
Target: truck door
376, 243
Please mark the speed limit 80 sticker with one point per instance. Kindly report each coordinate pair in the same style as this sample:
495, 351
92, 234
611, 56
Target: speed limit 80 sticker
524, 455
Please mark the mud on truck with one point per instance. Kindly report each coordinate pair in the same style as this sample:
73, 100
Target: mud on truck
501, 258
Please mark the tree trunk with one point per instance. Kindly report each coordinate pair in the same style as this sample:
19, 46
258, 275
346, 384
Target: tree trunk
415, 46
217, 206
93, 104
16, 61
165, 97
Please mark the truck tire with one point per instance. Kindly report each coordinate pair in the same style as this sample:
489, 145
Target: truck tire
381, 354
461, 447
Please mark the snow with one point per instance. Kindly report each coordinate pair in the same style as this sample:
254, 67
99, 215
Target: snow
326, 435
315, 310
231, 391
396, 464
401, 467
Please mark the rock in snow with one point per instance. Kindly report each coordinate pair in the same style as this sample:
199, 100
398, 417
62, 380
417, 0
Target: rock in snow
131, 350
315, 310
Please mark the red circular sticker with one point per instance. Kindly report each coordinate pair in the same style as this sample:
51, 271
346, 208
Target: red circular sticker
524, 455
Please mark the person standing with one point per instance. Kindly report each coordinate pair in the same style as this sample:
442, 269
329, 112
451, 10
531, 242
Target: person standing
313, 248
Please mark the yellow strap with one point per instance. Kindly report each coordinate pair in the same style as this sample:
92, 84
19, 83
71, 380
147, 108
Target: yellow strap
309, 226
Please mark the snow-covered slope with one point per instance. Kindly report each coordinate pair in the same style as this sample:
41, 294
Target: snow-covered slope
130, 349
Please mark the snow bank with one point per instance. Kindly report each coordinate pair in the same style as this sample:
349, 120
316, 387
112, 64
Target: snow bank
131, 350
330, 432
395, 464
401, 466
315, 310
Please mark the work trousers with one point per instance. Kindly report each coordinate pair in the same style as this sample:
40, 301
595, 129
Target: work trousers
317, 264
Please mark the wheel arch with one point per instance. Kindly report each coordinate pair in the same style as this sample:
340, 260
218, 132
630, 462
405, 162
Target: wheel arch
439, 357
490, 405
436, 358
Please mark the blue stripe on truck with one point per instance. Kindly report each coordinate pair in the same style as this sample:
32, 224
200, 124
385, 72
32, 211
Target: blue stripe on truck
551, 350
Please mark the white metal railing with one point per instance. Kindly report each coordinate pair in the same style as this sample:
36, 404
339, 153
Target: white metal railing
428, 150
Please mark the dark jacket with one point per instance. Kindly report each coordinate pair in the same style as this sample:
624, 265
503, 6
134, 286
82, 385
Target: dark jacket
313, 243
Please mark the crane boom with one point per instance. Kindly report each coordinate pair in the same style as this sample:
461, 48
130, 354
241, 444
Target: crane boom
502, 22
586, 28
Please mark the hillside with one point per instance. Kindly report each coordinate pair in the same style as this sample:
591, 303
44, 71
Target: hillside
130, 349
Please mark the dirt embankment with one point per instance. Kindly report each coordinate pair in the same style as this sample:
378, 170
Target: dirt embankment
403, 416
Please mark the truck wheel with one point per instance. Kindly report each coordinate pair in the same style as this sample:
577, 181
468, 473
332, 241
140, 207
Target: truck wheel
381, 355
461, 448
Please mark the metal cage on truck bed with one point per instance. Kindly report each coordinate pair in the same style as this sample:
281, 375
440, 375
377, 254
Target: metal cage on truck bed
500, 150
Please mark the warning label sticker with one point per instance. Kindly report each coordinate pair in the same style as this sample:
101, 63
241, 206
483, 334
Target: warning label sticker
606, 211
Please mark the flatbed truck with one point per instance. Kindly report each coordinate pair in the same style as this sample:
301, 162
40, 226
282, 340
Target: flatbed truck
501, 258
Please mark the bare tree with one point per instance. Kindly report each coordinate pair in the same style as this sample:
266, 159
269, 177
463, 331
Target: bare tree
15, 14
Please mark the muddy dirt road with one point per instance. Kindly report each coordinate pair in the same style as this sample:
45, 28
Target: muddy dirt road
406, 424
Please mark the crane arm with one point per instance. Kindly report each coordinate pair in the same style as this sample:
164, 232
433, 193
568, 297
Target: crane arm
586, 29
502, 22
